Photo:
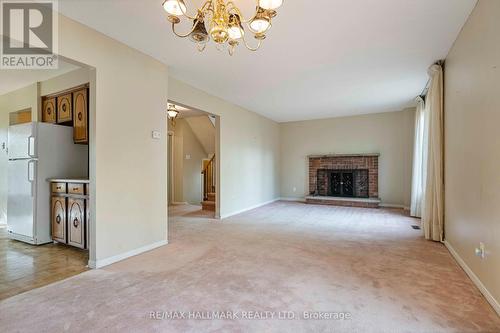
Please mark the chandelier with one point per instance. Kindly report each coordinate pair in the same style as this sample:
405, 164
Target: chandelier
225, 23
172, 113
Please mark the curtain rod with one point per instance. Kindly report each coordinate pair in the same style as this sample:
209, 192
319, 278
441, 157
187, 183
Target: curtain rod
426, 88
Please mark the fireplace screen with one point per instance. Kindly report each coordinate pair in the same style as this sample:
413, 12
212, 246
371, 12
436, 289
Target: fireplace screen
343, 183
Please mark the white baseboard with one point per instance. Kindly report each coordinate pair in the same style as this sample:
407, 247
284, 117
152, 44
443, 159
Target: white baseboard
489, 297
292, 199
225, 216
111, 260
174, 203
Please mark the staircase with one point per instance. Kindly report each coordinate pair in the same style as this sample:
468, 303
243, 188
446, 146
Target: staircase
209, 194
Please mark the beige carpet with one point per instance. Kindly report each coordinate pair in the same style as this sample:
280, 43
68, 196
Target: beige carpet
284, 258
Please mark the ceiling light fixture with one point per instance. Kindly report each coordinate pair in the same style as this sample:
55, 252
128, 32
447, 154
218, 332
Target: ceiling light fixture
172, 113
225, 22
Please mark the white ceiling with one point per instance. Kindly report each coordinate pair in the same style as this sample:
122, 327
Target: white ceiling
322, 58
13, 79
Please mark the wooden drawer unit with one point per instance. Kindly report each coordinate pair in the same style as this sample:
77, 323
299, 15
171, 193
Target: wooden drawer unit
76, 222
74, 188
64, 108
70, 212
80, 116
58, 187
58, 219
49, 110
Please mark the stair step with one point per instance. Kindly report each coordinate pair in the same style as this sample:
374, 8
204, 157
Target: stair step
208, 205
211, 196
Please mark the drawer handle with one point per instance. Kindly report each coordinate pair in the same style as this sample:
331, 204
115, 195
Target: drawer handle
75, 188
76, 223
58, 187
58, 219
80, 116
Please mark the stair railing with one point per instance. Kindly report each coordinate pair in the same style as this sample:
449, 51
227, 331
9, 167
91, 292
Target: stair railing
209, 178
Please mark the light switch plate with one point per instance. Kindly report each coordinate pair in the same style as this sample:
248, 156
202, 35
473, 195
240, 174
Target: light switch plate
188, 157
156, 135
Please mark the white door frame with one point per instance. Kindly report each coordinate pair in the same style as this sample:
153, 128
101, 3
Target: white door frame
170, 151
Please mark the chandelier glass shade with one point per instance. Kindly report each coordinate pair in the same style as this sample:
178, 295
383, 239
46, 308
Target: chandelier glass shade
172, 112
222, 22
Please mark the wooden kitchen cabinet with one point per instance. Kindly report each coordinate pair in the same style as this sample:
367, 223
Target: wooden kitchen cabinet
69, 107
76, 222
58, 220
64, 108
80, 116
70, 214
49, 110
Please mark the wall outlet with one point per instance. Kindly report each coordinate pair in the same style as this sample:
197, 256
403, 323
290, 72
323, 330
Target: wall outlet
188, 157
481, 250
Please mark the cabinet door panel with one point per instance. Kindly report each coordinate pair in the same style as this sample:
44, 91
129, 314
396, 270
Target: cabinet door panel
59, 219
76, 222
80, 116
49, 110
64, 110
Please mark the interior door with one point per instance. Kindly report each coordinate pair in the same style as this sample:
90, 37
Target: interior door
21, 197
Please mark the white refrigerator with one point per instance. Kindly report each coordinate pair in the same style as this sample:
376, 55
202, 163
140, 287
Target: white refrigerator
37, 152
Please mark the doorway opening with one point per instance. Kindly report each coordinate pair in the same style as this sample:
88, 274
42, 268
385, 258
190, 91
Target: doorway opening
45, 185
193, 163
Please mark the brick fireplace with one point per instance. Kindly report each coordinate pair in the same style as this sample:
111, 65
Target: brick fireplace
345, 180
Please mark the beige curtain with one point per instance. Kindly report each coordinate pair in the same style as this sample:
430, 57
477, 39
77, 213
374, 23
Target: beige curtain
433, 204
420, 149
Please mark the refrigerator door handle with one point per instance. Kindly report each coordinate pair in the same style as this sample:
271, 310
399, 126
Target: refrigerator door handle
31, 146
31, 174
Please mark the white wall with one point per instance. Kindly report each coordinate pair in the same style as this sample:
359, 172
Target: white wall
204, 130
128, 167
390, 134
187, 172
11, 102
66, 81
249, 149
472, 144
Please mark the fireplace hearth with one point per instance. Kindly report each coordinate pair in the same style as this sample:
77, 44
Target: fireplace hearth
347, 180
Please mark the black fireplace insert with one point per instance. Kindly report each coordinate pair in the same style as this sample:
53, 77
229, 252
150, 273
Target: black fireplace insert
343, 183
